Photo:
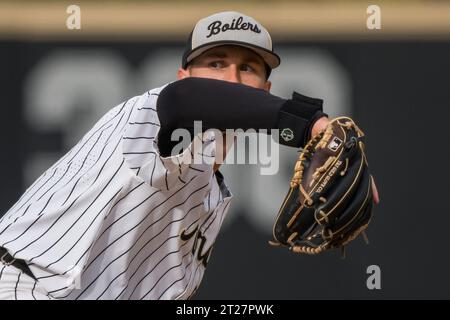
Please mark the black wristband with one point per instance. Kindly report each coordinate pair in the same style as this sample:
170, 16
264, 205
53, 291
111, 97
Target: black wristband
296, 118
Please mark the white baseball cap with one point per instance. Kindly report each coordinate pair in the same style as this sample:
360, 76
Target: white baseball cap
233, 28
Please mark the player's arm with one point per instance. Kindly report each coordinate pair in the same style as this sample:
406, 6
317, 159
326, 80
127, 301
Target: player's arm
224, 105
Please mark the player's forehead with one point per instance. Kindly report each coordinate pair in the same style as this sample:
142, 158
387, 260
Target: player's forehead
229, 51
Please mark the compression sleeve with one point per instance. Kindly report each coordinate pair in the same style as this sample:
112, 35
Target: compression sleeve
224, 105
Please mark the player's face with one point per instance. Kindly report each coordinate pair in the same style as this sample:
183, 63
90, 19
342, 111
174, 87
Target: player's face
229, 63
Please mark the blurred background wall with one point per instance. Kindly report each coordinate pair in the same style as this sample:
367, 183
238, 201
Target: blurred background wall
55, 82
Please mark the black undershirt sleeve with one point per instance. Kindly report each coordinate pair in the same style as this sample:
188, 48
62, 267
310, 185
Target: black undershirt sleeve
224, 105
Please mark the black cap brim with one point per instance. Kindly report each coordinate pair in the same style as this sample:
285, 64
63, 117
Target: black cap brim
269, 57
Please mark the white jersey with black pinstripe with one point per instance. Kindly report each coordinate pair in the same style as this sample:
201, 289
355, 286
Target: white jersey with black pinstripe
112, 219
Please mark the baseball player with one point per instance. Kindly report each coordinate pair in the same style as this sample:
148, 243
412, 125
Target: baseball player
123, 216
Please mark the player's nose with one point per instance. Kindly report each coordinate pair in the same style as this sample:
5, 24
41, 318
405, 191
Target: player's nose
233, 74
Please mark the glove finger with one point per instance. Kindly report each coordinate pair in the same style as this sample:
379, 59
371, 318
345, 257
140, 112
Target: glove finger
342, 191
353, 217
358, 211
352, 230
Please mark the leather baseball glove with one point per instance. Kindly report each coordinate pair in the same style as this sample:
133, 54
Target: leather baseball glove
330, 199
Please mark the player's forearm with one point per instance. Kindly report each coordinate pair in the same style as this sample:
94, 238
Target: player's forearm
224, 105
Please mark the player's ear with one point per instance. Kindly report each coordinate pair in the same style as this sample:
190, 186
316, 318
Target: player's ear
182, 73
267, 86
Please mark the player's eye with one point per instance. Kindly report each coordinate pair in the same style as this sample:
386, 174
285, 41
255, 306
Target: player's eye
216, 64
246, 68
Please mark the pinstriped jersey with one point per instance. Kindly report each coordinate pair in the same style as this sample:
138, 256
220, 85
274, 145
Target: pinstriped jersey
113, 219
